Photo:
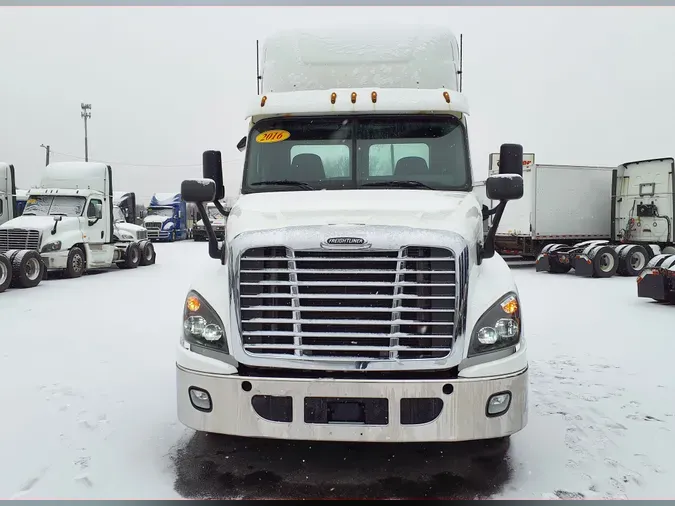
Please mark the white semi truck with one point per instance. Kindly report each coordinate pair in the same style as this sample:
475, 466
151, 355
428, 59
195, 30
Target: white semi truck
638, 204
355, 298
561, 204
217, 220
71, 224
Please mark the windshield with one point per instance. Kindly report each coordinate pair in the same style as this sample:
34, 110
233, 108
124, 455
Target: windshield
118, 215
54, 205
357, 152
214, 214
160, 211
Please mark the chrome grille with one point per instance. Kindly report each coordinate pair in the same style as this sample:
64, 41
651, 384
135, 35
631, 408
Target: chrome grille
153, 226
142, 234
387, 305
18, 238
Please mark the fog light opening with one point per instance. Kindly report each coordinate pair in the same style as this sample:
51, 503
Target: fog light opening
498, 404
200, 399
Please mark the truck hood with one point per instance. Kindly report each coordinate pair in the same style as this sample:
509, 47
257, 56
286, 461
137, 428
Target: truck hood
215, 223
457, 211
42, 223
156, 219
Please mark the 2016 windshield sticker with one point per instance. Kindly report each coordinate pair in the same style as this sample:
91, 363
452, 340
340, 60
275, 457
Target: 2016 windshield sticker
273, 136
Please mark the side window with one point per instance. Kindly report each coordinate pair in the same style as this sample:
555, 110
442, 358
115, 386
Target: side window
382, 158
335, 157
2, 209
95, 208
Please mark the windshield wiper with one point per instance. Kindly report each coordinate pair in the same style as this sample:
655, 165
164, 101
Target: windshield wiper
398, 184
285, 182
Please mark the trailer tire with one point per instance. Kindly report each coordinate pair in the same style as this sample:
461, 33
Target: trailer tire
605, 261
76, 263
5, 273
27, 269
148, 254
632, 260
132, 257
668, 250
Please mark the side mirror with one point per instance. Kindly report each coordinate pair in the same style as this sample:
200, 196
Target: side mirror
213, 169
511, 159
241, 145
504, 187
198, 190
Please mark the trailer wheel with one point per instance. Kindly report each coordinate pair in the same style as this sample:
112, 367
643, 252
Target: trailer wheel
76, 264
26, 269
5, 273
605, 261
632, 260
148, 254
132, 257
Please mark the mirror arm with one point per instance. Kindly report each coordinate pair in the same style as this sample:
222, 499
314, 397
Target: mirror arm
488, 249
220, 208
214, 249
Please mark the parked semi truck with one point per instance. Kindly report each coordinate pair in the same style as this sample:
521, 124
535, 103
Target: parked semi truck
166, 218
561, 204
639, 210
69, 224
355, 298
22, 269
217, 220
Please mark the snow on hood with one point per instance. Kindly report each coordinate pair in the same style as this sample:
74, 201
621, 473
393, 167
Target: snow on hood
156, 219
458, 211
42, 223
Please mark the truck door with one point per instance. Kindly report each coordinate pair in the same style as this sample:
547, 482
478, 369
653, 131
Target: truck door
96, 225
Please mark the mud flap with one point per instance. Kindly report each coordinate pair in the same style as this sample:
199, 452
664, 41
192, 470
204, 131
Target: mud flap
583, 266
542, 263
653, 285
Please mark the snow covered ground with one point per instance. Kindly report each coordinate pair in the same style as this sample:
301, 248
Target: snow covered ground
88, 402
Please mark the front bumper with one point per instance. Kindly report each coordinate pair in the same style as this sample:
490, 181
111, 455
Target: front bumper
462, 414
56, 260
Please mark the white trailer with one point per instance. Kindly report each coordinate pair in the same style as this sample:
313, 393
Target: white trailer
642, 239
69, 224
356, 297
561, 204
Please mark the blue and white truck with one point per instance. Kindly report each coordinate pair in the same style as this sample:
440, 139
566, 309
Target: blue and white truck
166, 218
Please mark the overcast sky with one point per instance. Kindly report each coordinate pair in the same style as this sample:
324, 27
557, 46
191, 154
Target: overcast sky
573, 85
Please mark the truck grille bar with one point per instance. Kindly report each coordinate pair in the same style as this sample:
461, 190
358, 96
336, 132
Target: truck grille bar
18, 238
346, 305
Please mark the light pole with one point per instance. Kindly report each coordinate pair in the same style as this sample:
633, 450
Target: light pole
86, 115
47, 149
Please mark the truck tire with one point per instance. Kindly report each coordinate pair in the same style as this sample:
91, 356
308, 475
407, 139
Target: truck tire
27, 269
632, 260
605, 261
76, 263
668, 250
5, 273
148, 254
132, 257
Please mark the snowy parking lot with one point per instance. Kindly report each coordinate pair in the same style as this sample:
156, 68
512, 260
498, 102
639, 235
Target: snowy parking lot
89, 408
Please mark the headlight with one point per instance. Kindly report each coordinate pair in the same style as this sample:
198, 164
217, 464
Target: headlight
127, 237
498, 328
52, 246
201, 324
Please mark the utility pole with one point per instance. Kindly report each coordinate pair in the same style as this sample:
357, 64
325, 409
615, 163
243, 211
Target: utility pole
86, 115
47, 149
